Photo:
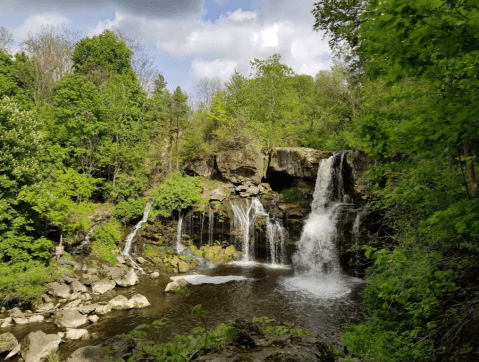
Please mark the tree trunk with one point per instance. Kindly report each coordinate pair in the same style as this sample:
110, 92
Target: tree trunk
469, 151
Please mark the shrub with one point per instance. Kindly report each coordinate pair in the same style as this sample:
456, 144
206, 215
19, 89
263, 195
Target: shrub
177, 193
105, 239
131, 209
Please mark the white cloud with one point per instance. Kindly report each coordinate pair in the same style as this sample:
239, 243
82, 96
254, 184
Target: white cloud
34, 23
222, 69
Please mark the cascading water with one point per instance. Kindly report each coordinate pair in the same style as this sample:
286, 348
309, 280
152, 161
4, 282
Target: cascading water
132, 234
244, 218
211, 223
316, 261
85, 241
180, 248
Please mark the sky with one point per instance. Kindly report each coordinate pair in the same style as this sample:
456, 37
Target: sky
189, 39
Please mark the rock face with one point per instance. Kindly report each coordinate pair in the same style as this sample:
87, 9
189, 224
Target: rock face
296, 161
240, 166
202, 167
7, 342
37, 346
69, 318
359, 162
217, 195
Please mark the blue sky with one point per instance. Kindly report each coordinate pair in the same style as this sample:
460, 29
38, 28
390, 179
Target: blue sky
189, 39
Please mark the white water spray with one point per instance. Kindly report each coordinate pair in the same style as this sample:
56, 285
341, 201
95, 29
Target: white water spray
275, 235
211, 223
85, 241
180, 248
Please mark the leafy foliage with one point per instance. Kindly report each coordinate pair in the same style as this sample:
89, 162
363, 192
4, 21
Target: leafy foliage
131, 209
105, 240
177, 192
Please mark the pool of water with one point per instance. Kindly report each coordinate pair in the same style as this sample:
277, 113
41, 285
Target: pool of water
227, 292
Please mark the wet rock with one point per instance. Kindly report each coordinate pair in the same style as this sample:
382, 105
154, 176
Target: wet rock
141, 260
7, 322
183, 266
253, 190
114, 273
89, 354
38, 345
69, 280
63, 300
36, 319
85, 297
69, 318
20, 321
7, 342
120, 259
78, 287
75, 334
129, 279
89, 279
243, 339
103, 309
14, 351
59, 290
87, 309
103, 286
176, 285
93, 318
61, 334
120, 302
73, 305
154, 275
46, 308
74, 296
240, 166
218, 195
16, 313
138, 301
46, 298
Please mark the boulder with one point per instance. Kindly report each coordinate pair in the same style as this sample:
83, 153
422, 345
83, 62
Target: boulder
37, 346
177, 284
93, 318
46, 308
75, 334
85, 297
16, 313
14, 351
103, 286
7, 322
138, 301
240, 166
7, 342
87, 309
120, 259
154, 275
21, 321
36, 319
73, 305
218, 195
129, 279
140, 260
183, 266
103, 309
59, 290
78, 287
69, 318
89, 354
296, 161
120, 302
46, 298
201, 167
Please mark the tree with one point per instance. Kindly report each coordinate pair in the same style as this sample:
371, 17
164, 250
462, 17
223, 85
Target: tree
101, 55
178, 114
50, 52
23, 161
206, 88
6, 39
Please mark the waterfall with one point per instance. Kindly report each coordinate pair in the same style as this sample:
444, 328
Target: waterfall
85, 241
356, 225
316, 254
202, 224
275, 235
245, 216
211, 223
179, 245
132, 234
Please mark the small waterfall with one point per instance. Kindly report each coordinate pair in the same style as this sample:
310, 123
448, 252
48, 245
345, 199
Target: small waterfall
244, 218
211, 223
202, 224
275, 235
85, 241
356, 225
180, 248
132, 234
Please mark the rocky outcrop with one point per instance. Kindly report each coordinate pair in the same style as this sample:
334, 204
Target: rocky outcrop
359, 162
296, 161
37, 346
241, 166
128, 279
201, 167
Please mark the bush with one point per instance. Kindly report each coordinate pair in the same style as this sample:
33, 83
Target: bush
294, 195
177, 193
105, 239
131, 209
